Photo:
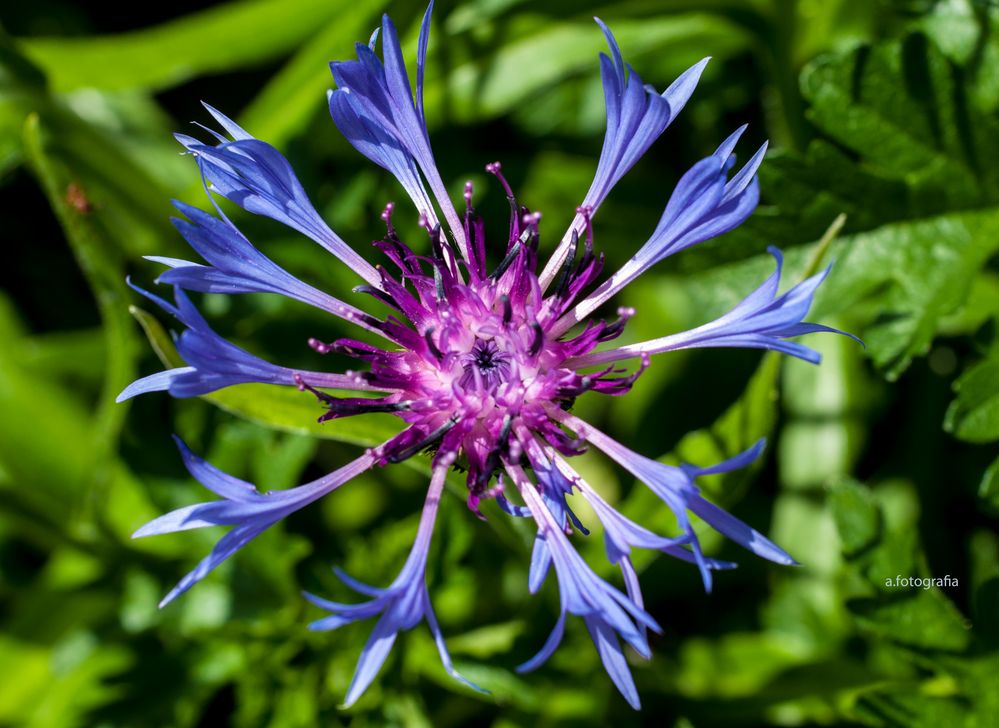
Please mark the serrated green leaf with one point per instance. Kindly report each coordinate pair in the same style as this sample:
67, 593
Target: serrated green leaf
919, 274
858, 518
923, 619
974, 414
899, 106
911, 173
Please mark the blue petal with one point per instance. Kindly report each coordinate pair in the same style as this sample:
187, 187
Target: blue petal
217, 481
703, 205
421, 60
359, 586
636, 116
158, 382
541, 560
728, 525
199, 515
372, 658
370, 139
385, 120
229, 544
258, 178
548, 649
232, 128
613, 658
762, 320
445, 656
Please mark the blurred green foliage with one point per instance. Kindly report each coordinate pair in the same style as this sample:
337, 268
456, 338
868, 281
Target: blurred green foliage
879, 464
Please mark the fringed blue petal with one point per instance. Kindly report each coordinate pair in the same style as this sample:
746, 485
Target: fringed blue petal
236, 266
214, 363
375, 109
762, 320
243, 507
606, 610
637, 115
258, 178
675, 486
402, 604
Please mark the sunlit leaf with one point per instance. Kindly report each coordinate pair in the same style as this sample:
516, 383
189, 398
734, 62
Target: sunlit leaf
171, 53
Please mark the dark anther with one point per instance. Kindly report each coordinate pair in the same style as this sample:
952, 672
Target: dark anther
530, 237
538, 340
507, 309
432, 438
438, 243
486, 356
570, 258
493, 460
506, 262
350, 407
346, 407
435, 242
434, 351
505, 430
612, 331
488, 361
379, 294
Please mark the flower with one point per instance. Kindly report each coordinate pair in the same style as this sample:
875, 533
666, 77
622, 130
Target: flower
479, 362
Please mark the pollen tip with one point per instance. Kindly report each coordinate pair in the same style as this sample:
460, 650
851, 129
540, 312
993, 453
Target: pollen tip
319, 346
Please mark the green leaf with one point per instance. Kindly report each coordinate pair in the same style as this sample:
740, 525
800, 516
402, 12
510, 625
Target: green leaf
902, 154
101, 264
963, 30
917, 617
900, 106
487, 641
973, 416
906, 705
166, 55
988, 489
288, 410
858, 517
915, 274
540, 53
298, 91
923, 619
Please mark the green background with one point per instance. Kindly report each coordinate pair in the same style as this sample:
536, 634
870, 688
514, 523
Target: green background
881, 462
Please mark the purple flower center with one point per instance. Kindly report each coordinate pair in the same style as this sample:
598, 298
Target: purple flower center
477, 362
485, 365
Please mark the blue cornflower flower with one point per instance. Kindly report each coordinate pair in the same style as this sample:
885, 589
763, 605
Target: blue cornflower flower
478, 365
